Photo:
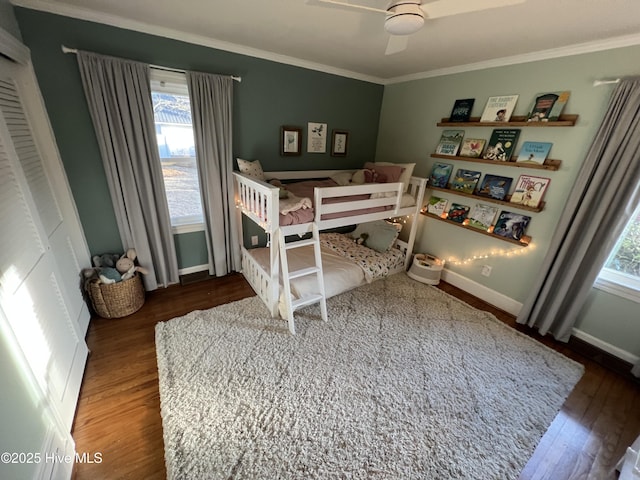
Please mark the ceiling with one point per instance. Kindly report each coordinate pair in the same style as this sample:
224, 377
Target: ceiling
352, 43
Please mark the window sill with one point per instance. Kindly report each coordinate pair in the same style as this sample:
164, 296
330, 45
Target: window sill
615, 288
187, 228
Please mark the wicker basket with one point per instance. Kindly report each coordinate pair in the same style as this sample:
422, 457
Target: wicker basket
115, 300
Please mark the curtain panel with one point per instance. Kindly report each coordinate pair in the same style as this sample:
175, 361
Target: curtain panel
118, 95
211, 108
609, 181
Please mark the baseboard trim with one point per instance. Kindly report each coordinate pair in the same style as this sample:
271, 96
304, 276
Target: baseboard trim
194, 269
606, 347
496, 299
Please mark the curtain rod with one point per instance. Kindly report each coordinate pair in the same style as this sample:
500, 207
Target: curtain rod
597, 83
74, 51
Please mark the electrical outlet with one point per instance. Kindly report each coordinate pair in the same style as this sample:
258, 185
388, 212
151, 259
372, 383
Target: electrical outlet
254, 240
486, 270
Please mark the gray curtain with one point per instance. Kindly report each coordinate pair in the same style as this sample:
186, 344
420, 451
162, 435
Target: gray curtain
118, 94
609, 181
211, 108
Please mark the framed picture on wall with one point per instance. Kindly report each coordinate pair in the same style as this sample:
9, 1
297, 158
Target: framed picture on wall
290, 140
317, 138
339, 143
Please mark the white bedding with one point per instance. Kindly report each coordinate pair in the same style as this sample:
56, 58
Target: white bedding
340, 274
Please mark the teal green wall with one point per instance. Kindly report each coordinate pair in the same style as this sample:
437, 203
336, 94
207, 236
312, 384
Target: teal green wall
189, 249
270, 95
408, 132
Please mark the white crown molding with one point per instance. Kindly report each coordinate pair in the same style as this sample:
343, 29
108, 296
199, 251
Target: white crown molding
578, 49
120, 22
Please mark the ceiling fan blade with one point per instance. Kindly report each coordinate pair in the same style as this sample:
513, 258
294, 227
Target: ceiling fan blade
397, 43
445, 8
346, 4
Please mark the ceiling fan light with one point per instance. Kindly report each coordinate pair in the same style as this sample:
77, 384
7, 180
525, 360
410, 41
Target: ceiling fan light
404, 18
405, 24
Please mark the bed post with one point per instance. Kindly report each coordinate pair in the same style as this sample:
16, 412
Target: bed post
420, 184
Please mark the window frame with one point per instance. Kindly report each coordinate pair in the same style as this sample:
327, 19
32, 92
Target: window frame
619, 283
166, 81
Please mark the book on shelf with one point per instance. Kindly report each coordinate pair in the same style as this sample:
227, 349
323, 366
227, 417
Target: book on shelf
529, 190
494, 186
472, 147
547, 107
499, 108
534, 152
440, 173
458, 213
481, 216
437, 206
502, 144
461, 111
450, 142
465, 180
511, 225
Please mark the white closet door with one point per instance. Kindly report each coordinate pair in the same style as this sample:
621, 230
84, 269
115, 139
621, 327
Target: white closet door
39, 268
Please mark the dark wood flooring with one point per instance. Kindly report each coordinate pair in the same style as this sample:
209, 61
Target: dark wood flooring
118, 412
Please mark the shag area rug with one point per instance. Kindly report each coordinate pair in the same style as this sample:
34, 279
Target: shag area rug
403, 382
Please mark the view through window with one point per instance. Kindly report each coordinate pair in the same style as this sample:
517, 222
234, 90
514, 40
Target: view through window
176, 145
623, 266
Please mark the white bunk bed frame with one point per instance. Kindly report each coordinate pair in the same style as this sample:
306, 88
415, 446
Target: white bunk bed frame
258, 200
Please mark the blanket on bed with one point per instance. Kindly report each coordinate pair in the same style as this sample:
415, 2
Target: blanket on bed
292, 203
374, 264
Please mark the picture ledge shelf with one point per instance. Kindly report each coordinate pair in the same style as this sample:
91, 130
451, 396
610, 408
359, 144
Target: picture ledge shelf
523, 242
539, 208
516, 121
549, 164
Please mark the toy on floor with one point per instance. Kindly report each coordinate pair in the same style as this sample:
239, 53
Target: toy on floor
112, 267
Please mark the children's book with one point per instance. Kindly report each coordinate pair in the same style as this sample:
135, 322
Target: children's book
461, 111
547, 107
458, 213
511, 225
482, 216
499, 109
472, 147
437, 206
502, 144
450, 142
440, 173
534, 152
494, 186
529, 190
465, 180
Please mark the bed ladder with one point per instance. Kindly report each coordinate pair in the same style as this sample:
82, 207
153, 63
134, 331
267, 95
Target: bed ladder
315, 269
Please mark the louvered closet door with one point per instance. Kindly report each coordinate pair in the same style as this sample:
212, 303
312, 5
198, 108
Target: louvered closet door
39, 270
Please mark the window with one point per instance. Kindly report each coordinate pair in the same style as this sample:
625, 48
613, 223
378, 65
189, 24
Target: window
174, 133
621, 273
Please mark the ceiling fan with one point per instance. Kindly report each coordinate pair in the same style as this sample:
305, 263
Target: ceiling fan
404, 17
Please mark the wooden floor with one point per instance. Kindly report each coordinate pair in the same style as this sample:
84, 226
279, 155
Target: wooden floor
118, 413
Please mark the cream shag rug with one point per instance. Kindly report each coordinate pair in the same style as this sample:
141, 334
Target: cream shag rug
403, 382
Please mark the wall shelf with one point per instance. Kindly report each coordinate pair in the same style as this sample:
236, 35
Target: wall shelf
516, 121
549, 164
523, 242
492, 200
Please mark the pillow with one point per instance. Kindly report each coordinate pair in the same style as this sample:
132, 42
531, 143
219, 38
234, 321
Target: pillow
406, 175
371, 176
381, 235
342, 178
253, 169
358, 177
391, 172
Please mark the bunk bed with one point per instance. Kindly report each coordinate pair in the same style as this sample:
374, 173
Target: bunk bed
320, 203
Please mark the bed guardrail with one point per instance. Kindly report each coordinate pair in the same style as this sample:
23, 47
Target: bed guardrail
258, 200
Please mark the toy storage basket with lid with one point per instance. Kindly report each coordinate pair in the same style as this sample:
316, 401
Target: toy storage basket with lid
426, 268
115, 300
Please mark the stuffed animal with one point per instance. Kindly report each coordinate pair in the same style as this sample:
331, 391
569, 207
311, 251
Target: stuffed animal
127, 267
105, 260
362, 238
